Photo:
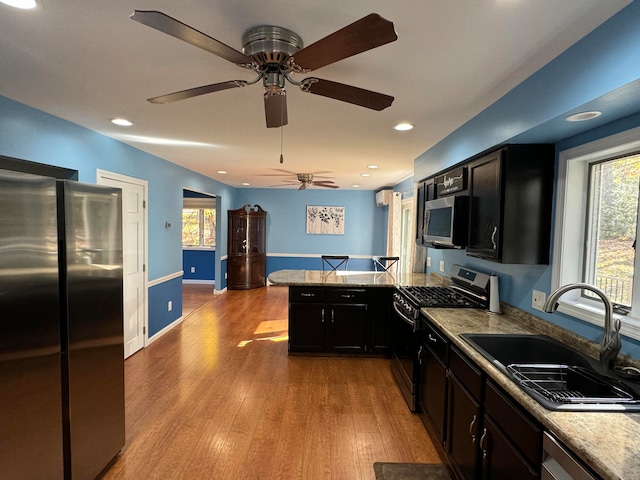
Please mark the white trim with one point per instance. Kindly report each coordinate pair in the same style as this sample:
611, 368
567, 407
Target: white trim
203, 249
315, 255
572, 172
200, 282
219, 292
166, 278
166, 329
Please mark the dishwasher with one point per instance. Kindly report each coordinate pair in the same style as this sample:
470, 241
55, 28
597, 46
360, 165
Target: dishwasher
559, 464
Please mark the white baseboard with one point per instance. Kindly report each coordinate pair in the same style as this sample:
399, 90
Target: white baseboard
201, 282
166, 329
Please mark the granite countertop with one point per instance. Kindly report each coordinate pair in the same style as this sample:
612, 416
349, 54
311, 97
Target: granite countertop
346, 278
608, 442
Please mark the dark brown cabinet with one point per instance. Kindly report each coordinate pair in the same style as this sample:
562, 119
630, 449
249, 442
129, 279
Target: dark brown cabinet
433, 386
425, 191
246, 263
486, 434
510, 194
339, 320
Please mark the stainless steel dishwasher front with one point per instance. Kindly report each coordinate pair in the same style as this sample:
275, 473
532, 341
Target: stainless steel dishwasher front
559, 464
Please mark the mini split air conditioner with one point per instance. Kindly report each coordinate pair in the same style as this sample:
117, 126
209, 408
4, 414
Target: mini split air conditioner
383, 197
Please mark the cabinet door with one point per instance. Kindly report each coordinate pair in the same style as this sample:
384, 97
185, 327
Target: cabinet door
463, 431
433, 391
485, 231
380, 300
306, 327
347, 329
500, 460
420, 198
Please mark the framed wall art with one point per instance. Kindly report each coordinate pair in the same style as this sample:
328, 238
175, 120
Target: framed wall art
325, 220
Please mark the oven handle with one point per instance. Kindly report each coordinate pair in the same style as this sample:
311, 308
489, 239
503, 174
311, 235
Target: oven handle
404, 316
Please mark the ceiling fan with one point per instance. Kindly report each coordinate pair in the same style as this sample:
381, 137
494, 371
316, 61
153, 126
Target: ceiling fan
275, 53
306, 180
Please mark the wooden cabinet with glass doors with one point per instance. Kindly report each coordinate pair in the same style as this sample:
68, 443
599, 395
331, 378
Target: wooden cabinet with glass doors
246, 264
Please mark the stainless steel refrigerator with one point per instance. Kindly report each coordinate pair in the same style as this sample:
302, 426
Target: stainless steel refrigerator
61, 332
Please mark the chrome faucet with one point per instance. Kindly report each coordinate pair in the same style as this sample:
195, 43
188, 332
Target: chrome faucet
610, 346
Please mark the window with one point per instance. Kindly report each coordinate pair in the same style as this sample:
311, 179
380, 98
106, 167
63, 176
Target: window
198, 227
596, 228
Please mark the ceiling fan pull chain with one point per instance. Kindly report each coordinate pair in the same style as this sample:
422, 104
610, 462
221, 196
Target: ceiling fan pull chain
281, 141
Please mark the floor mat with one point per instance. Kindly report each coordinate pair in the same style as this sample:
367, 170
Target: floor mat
410, 471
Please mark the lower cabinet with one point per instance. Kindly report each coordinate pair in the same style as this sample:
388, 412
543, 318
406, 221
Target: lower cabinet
487, 435
336, 320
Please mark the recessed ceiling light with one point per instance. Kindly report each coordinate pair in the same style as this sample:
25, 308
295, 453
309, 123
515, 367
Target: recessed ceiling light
123, 122
222, 172
355, 185
365, 174
401, 127
372, 166
246, 184
582, 116
24, 4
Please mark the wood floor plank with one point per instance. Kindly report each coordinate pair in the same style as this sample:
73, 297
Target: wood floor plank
218, 397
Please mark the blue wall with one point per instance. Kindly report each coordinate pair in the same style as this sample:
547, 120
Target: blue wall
600, 72
203, 261
288, 244
33, 135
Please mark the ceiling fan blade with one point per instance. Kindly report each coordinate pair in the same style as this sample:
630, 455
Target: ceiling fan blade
346, 93
275, 109
322, 184
318, 182
369, 32
303, 186
184, 32
194, 92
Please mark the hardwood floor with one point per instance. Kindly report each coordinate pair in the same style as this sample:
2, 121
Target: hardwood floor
219, 398
194, 296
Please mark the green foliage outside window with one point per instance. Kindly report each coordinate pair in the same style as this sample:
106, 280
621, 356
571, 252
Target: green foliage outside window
198, 227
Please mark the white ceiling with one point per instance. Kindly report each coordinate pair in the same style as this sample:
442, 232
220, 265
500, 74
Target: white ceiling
85, 61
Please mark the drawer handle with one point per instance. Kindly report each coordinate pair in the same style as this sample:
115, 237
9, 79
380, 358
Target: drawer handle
307, 294
347, 296
482, 439
432, 339
473, 436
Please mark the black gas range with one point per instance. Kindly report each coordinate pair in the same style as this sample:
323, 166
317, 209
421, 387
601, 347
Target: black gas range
468, 289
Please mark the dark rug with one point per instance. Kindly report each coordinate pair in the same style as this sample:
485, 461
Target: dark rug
410, 471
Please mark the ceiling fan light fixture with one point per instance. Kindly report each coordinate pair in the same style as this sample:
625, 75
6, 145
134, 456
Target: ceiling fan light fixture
403, 127
22, 4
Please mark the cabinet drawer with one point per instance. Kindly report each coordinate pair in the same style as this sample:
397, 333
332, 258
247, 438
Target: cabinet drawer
524, 433
466, 372
347, 295
306, 295
436, 342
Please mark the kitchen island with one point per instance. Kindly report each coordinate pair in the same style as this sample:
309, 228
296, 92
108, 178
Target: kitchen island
347, 278
341, 312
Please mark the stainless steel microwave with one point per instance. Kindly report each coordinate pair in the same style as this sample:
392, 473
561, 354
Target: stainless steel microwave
446, 221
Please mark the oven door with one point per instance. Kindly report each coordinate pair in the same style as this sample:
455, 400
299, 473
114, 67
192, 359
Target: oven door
404, 355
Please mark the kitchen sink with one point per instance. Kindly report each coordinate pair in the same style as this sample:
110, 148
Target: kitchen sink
556, 375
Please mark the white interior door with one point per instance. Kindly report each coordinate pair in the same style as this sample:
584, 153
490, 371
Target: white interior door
134, 245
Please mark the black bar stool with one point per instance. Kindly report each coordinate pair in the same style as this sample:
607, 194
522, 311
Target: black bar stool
334, 262
383, 264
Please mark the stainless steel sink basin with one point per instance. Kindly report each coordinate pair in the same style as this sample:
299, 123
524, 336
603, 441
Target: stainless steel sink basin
556, 375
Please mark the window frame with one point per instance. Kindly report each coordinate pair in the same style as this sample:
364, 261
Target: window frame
570, 230
199, 204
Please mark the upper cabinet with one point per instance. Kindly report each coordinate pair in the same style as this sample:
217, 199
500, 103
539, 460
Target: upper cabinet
509, 194
510, 197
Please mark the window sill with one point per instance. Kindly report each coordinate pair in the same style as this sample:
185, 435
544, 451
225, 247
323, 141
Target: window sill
206, 249
595, 316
